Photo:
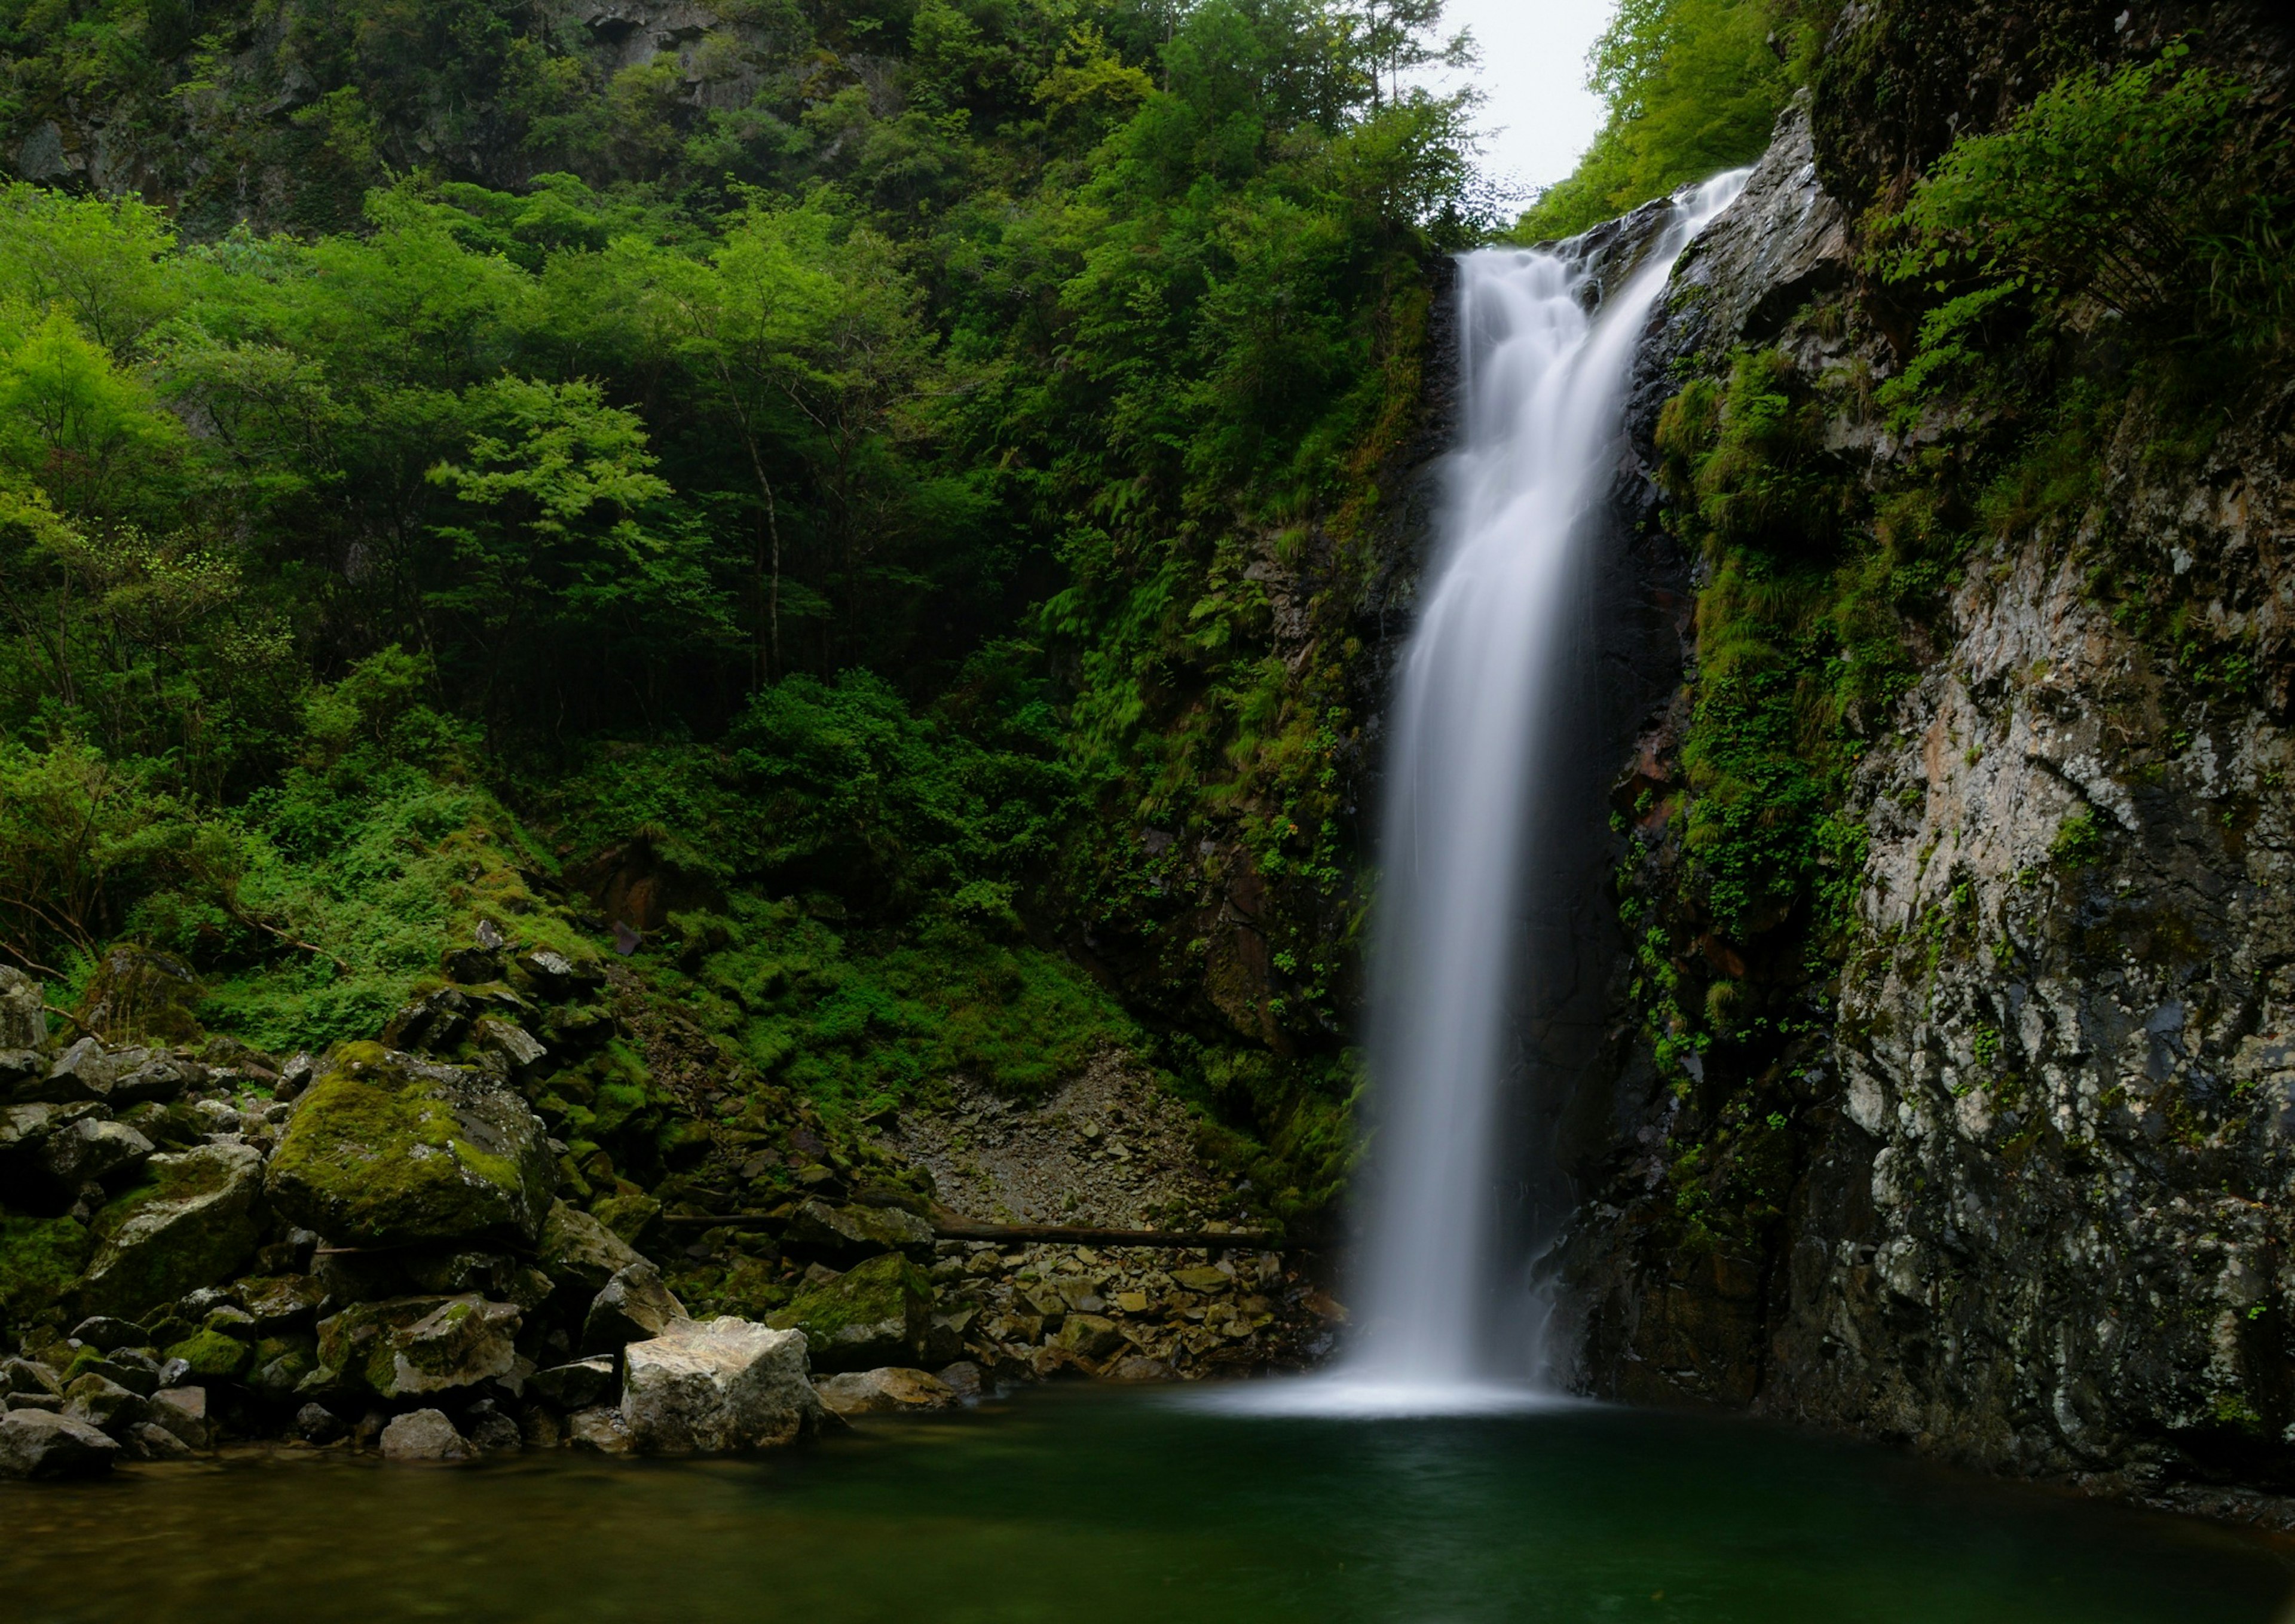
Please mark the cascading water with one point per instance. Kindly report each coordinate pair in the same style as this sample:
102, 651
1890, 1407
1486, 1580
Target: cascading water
1441, 1312
1445, 1316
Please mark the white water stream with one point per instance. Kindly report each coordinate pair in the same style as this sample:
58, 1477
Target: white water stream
1444, 1316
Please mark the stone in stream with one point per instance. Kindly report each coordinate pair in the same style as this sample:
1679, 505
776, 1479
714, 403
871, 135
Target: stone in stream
599, 1430
316, 1424
189, 1223
490, 1431
633, 1307
718, 1385
149, 1441
876, 1313
871, 1392
388, 1150
36, 1443
424, 1435
964, 1379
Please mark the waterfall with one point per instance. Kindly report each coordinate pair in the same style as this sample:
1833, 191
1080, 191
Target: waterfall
1440, 1306
1445, 1317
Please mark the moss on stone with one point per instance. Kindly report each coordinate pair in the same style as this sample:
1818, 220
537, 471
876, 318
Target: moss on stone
385, 1150
212, 1356
883, 1288
189, 1223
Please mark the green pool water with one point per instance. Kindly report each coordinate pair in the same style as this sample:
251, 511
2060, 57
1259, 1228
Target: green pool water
1112, 1507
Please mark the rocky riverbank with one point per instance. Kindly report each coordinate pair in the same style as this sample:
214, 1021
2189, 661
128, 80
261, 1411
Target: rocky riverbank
539, 1211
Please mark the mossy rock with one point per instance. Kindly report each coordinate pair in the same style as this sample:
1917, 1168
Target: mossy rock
40, 1260
213, 1356
875, 1313
191, 1221
387, 1150
406, 1346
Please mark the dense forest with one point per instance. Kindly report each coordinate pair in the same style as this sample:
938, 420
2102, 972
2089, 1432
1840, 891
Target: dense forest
832, 462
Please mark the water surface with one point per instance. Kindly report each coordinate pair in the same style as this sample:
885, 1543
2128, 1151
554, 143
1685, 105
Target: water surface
1117, 1507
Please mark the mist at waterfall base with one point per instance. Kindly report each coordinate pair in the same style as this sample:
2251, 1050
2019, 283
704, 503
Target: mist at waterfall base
1459, 1197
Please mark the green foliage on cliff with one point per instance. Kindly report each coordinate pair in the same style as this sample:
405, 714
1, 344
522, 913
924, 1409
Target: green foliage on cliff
848, 481
1691, 87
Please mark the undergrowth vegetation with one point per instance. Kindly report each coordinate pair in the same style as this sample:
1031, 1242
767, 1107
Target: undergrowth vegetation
847, 486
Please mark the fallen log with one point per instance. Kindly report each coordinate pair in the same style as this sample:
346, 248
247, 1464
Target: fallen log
1020, 1234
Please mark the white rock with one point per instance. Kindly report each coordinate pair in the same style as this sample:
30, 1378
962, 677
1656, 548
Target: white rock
424, 1434
715, 1385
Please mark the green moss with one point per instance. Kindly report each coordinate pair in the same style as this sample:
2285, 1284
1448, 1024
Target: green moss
40, 1260
380, 1151
213, 1356
883, 1288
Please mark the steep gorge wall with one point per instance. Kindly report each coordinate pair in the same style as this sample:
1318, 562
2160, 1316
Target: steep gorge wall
2013, 1174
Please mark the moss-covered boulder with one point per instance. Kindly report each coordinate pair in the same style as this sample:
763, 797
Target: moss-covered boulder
876, 1313
388, 1150
407, 1346
190, 1221
40, 1260
211, 1356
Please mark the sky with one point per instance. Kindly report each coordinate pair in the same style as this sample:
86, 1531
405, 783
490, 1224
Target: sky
1533, 76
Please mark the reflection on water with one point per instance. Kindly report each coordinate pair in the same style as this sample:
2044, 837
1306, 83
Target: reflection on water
1121, 1506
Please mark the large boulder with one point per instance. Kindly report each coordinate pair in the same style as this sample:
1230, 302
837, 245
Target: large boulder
191, 1221
409, 1346
715, 1386
876, 1313
38, 1443
388, 1150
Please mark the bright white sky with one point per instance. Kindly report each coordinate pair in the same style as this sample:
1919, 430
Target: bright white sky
1538, 115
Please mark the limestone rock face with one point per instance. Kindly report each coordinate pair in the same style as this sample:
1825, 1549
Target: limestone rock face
715, 1386
388, 1150
36, 1443
874, 1313
2036, 1151
192, 1221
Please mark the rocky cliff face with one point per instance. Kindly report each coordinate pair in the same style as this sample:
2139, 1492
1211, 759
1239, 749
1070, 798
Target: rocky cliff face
2022, 1198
